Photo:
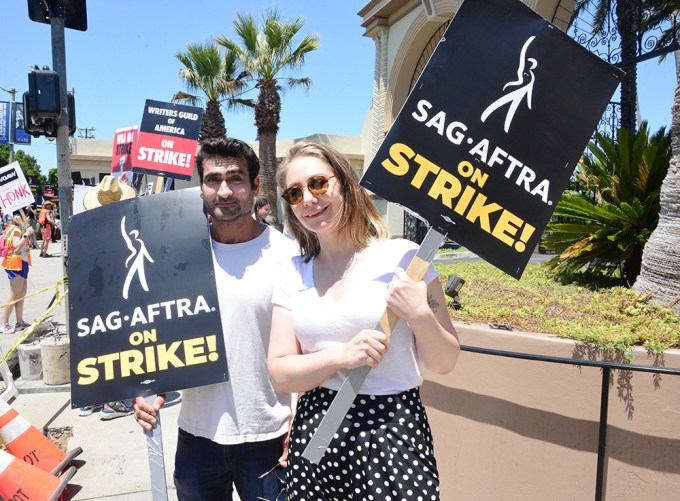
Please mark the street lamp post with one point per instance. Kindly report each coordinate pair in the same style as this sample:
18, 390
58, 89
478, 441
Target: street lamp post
12, 122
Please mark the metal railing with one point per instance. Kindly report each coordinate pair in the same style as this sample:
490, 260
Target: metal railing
604, 393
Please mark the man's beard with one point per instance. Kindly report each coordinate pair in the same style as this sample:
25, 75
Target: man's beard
228, 214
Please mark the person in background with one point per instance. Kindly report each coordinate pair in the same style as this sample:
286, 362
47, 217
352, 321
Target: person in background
261, 210
32, 221
46, 227
16, 263
232, 434
326, 308
56, 229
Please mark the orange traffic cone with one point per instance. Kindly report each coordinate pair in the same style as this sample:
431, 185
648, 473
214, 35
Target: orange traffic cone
21, 481
25, 442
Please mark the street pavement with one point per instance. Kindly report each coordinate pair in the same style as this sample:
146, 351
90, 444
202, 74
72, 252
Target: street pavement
114, 462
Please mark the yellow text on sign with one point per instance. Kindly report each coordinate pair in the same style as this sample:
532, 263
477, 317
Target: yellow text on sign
467, 201
149, 359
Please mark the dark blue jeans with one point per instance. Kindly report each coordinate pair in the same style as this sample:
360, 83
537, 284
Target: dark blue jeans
207, 471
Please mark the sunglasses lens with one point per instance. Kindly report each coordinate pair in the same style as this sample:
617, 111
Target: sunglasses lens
292, 195
318, 185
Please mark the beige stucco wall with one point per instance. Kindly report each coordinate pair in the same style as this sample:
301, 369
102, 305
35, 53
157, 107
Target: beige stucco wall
517, 430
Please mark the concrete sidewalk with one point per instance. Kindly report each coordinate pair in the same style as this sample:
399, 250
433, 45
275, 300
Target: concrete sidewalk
114, 462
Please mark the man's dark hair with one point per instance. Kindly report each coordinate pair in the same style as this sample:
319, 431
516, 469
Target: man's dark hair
230, 148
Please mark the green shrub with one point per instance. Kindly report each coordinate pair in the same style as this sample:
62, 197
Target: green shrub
611, 317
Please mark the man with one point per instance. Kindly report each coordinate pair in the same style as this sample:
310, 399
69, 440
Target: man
231, 434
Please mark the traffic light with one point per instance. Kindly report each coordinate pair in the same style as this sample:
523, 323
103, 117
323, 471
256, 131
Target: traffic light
74, 12
42, 105
43, 93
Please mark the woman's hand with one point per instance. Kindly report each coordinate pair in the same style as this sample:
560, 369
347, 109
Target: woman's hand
406, 298
366, 348
423, 306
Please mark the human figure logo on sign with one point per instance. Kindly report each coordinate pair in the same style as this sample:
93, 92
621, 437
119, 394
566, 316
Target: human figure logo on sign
515, 97
138, 254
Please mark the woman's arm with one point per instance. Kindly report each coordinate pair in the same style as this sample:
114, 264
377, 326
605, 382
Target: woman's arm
18, 240
423, 306
291, 371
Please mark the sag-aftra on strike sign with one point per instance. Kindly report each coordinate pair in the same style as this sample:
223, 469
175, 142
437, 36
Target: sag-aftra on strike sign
143, 310
490, 134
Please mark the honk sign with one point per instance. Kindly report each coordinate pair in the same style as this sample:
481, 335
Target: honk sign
486, 142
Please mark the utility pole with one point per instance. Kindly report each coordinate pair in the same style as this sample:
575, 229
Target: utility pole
12, 122
63, 153
61, 14
87, 132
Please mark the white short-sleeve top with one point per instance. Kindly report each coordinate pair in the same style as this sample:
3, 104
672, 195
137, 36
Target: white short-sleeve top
321, 324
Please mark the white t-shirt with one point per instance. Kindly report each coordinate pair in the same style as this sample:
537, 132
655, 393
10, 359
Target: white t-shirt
321, 324
247, 408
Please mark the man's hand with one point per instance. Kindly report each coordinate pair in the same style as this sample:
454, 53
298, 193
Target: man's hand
283, 460
145, 414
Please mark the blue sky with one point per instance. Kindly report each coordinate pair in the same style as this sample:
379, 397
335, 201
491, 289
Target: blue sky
127, 55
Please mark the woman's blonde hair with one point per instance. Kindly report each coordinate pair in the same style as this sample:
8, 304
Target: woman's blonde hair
18, 222
359, 220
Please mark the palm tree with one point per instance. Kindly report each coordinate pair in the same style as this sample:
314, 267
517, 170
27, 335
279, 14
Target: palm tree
265, 52
625, 13
604, 227
660, 271
212, 71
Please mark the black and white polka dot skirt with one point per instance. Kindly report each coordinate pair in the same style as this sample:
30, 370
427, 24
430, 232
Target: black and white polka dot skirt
382, 451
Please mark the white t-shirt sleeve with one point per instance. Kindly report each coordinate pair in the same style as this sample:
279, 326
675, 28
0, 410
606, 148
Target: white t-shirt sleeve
284, 284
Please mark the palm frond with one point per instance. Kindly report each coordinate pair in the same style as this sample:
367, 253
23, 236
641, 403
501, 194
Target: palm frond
605, 226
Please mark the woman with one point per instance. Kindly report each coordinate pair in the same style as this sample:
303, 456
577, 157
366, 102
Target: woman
325, 310
16, 265
262, 209
46, 227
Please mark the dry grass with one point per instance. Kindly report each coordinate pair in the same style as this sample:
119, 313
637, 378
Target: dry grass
612, 317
